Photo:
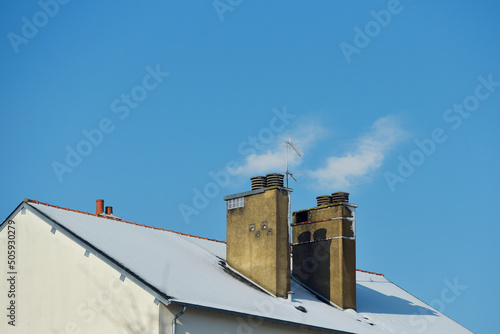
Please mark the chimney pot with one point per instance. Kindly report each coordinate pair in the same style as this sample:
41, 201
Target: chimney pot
99, 207
324, 200
340, 196
109, 210
258, 182
275, 179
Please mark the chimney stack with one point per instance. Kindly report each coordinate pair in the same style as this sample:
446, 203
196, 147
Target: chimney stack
324, 249
109, 210
258, 244
99, 207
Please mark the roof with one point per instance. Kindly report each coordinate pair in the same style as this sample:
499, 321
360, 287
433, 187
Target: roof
188, 270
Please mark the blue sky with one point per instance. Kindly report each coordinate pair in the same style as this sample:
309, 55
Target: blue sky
162, 108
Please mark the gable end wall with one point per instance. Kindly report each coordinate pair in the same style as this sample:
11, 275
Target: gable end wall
58, 289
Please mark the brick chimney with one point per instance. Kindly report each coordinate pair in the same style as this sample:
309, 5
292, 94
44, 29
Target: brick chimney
99, 206
324, 249
258, 244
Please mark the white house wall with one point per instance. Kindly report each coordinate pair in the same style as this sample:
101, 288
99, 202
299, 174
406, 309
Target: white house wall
58, 289
200, 321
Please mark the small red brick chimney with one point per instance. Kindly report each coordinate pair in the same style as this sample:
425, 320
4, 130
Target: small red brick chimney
99, 207
109, 210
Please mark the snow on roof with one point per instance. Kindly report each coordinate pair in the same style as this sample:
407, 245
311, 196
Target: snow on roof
189, 270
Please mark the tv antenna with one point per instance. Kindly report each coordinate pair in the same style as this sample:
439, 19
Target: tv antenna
289, 145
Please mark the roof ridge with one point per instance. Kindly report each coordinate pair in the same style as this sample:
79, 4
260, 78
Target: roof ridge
370, 272
27, 200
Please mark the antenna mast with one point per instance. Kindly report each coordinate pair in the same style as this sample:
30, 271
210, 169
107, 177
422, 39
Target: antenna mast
289, 145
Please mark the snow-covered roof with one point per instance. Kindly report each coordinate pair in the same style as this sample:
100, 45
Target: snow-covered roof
189, 270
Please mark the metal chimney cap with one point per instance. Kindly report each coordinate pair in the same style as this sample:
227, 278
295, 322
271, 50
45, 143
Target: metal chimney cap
258, 182
340, 196
324, 200
275, 179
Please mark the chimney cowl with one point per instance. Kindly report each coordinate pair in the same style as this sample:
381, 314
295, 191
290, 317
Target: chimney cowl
99, 207
340, 196
258, 182
324, 200
275, 179
337, 197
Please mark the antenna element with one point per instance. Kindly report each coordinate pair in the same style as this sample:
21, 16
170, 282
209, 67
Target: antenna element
289, 145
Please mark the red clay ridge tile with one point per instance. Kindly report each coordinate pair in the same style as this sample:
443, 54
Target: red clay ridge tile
121, 220
370, 272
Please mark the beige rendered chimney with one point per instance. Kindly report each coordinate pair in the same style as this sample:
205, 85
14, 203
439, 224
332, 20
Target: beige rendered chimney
258, 244
324, 249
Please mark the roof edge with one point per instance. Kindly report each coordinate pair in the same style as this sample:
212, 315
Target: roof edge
241, 314
27, 200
